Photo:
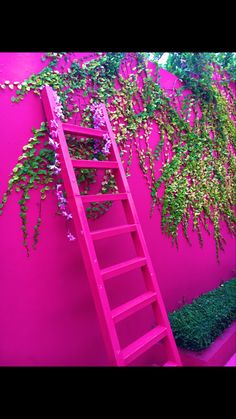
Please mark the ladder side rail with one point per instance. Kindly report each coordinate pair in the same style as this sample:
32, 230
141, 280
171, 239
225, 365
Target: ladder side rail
84, 237
141, 247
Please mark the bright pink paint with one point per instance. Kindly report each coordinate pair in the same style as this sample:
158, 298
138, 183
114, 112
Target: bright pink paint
108, 317
47, 315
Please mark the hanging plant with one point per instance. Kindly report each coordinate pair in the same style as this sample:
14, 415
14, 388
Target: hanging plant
31, 172
197, 134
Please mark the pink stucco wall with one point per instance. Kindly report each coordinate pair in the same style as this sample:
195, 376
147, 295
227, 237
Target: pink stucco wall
47, 316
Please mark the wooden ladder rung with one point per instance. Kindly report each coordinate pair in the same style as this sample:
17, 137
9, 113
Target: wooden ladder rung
104, 197
114, 231
137, 348
86, 132
95, 164
123, 267
125, 310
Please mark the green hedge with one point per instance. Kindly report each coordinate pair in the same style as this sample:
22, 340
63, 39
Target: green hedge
195, 326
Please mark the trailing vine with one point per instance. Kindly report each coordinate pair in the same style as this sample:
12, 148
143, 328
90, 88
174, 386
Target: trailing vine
31, 172
196, 137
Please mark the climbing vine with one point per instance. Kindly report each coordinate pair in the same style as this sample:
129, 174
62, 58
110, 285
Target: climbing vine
196, 135
31, 171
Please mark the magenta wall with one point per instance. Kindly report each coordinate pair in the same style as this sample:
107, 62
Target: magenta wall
47, 315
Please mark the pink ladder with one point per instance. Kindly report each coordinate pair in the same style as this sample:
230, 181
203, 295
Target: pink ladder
108, 317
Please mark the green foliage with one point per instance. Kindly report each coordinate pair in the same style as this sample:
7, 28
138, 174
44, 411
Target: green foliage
207, 157
30, 172
195, 326
198, 171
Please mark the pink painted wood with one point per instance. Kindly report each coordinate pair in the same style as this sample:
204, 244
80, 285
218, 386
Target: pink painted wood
94, 164
123, 267
114, 231
132, 306
104, 197
83, 131
96, 276
144, 343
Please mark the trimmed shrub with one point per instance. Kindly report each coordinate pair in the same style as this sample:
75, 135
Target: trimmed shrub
195, 326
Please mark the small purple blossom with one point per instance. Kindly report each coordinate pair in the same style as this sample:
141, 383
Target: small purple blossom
70, 236
61, 199
56, 97
60, 195
58, 111
106, 148
53, 124
54, 134
62, 207
99, 121
97, 145
59, 191
67, 215
62, 204
54, 144
55, 169
58, 107
98, 117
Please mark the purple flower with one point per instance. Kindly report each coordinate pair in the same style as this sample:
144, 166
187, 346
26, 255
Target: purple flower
67, 215
58, 107
54, 124
60, 195
56, 97
62, 206
58, 111
61, 199
98, 117
54, 134
70, 236
55, 169
97, 144
52, 167
59, 191
106, 148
